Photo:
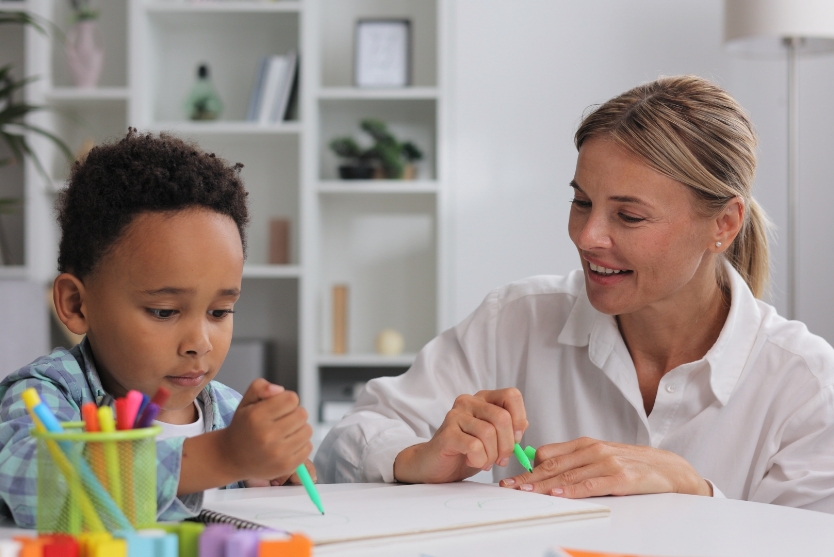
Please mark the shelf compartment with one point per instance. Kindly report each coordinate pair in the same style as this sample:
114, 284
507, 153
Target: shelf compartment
393, 187
349, 93
408, 120
79, 122
112, 30
230, 42
271, 271
227, 127
338, 22
365, 360
13, 272
268, 310
12, 41
226, 7
15, 6
384, 249
271, 176
62, 96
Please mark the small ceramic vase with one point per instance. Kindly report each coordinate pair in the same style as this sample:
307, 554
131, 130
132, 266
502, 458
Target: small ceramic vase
84, 54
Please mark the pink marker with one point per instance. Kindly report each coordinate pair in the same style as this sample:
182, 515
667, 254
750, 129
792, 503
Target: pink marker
133, 400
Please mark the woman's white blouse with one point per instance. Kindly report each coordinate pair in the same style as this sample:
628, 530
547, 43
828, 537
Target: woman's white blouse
755, 415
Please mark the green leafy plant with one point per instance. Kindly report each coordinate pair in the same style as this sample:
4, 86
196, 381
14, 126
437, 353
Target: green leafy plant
81, 10
13, 124
386, 152
13, 111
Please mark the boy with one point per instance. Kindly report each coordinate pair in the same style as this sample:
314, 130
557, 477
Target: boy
151, 259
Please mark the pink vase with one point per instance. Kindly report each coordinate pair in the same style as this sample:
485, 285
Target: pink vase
84, 53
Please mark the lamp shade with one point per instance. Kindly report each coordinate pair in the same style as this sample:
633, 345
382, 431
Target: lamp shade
759, 27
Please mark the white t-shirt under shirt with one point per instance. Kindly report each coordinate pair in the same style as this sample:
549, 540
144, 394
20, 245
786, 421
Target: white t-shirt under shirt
755, 415
186, 430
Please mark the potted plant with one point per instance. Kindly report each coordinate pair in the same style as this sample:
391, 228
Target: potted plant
358, 164
13, 124
83, 45
386, 158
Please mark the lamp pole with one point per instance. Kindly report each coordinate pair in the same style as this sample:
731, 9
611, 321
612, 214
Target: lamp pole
793, 45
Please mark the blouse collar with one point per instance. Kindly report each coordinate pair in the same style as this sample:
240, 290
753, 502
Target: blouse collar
726, 358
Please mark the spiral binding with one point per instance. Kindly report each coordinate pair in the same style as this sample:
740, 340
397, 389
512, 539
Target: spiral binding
213, 517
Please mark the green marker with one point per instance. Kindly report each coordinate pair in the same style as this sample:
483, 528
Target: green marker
309, 486
522, 458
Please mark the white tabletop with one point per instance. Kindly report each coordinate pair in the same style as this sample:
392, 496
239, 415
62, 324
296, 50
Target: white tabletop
666, 525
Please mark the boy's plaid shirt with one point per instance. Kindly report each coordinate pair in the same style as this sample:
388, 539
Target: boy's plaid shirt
66, 379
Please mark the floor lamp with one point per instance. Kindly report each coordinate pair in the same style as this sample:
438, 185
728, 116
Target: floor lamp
783, 28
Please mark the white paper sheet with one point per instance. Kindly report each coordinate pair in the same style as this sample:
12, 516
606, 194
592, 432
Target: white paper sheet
404, 510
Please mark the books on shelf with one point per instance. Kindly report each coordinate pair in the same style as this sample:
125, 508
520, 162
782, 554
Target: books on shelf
273, 89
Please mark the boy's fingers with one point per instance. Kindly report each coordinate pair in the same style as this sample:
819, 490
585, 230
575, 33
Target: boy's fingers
259, 389
276, 407
511, 401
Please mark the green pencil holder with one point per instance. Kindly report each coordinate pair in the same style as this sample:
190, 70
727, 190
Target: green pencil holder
95, 482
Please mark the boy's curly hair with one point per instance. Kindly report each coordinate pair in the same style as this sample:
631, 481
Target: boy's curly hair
141, 173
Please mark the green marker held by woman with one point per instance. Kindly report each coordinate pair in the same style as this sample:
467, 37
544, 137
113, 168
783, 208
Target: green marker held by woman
522, 457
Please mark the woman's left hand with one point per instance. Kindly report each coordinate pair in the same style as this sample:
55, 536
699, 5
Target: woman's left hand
587, 467
291, 479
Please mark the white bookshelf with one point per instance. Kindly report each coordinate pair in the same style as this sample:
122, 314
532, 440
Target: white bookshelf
382, 237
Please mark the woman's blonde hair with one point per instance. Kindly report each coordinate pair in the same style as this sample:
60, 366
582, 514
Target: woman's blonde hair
694, 132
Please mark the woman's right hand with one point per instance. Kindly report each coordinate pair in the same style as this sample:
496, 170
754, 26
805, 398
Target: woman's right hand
479, 431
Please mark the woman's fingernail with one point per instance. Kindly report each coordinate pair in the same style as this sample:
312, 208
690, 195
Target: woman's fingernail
487, 468
504, 461
508, 481
518, 433
526, 487
557, 491
275, 389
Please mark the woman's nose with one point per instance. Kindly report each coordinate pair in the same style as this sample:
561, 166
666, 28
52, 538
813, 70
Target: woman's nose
594, 233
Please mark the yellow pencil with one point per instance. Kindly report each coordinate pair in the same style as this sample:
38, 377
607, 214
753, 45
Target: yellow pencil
111, 454
32, 399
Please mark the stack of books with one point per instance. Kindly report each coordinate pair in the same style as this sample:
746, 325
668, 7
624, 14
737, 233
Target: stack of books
272, 93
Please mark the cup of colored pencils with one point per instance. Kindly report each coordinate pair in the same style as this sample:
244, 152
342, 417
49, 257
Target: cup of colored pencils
99, 474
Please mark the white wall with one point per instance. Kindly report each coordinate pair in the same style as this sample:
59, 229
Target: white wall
522, 73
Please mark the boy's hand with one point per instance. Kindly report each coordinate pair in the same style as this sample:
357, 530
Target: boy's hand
292, 479
269, 435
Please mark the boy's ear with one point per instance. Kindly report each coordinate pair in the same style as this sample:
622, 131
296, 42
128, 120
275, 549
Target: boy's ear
69, 294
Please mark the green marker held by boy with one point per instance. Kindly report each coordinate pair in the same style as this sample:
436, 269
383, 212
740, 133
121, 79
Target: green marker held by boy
153, 240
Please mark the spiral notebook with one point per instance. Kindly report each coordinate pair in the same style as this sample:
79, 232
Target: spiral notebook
399, 511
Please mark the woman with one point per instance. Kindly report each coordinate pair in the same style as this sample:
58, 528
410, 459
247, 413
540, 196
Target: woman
652, 369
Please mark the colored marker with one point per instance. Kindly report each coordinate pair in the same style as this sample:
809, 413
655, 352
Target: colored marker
148, 416
89, 411
121, 412
145, 401
159, 399
133, 400
522, 458
309, 486
111, 454
47, 422
161, 396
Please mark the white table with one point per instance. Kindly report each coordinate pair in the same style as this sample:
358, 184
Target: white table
666, 525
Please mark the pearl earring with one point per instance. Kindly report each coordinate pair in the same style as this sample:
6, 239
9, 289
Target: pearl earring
718, 244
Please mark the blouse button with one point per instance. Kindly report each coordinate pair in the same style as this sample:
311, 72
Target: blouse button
671, 387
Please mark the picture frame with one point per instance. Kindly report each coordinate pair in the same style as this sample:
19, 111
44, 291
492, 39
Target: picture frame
382, 53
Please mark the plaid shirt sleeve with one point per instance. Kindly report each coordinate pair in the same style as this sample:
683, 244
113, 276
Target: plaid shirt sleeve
63, 386
56, 378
